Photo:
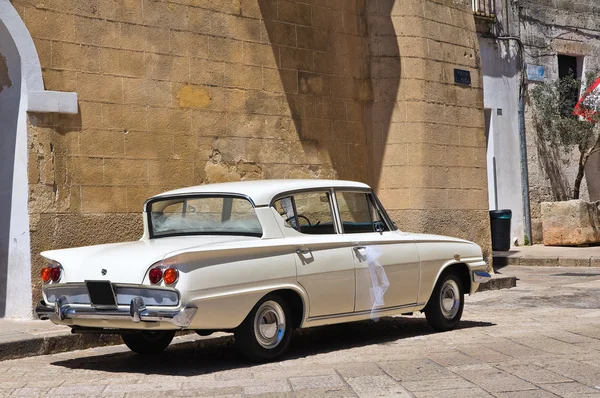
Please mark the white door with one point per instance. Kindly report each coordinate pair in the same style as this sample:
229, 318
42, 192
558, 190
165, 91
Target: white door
377, 247
324, 260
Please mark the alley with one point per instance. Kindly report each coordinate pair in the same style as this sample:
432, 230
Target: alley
541, 339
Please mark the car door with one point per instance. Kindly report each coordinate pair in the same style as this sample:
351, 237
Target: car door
377, 246
324, 260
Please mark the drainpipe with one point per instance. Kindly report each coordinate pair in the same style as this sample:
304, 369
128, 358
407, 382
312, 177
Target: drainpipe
523, 141
524, 170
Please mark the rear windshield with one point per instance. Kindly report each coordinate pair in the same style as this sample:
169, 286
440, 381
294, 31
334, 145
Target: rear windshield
203, 215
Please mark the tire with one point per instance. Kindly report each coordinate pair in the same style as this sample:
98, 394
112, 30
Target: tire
148, 342
267, 330
445, 306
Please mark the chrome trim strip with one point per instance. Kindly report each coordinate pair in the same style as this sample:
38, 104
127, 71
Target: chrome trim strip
116, 286
345, 314
48, 290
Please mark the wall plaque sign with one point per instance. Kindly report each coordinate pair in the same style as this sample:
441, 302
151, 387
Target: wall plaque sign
462, 76
536, 73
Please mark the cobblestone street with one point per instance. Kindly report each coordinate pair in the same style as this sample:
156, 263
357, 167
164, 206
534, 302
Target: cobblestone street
541, 339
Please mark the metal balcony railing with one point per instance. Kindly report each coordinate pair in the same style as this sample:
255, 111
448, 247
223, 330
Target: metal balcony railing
484, 8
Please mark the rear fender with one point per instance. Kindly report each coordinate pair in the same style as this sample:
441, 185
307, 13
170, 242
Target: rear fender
228, 310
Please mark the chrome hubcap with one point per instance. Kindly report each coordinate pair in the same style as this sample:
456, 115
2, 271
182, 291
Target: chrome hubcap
269, 324
450, 299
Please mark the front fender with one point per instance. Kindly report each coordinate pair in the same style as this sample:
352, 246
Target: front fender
472, 264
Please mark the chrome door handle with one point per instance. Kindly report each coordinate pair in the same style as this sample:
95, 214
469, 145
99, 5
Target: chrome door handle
302, 251
362, 250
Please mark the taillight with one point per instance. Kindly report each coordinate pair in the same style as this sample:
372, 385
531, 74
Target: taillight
55, 273
171, 276
155, 275
52, 273
46, 274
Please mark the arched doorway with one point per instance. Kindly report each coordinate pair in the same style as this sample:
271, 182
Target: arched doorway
21, 91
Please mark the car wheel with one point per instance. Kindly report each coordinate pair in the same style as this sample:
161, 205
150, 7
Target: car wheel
266, 332
445, 306
148, 342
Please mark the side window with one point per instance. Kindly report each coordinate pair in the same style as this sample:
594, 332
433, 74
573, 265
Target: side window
376, 216
308, 213
285, 208
358, 213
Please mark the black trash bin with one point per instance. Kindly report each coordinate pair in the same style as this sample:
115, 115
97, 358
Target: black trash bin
500, 220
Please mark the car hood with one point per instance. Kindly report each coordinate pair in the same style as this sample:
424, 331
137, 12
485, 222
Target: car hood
466, 249
127, 262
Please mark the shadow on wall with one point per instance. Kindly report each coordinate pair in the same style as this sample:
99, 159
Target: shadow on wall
10, 95
592, 176
341, 77
550, 160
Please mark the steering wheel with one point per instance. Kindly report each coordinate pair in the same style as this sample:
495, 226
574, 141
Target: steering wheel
300, 216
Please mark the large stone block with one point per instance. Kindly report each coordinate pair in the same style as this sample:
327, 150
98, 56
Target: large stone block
571, 223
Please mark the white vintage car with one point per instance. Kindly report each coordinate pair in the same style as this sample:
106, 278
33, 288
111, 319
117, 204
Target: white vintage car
258, 258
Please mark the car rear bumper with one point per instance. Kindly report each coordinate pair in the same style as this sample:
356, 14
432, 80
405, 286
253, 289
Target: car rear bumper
136, 312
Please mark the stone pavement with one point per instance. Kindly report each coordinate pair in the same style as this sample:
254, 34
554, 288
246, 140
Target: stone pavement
549, 256
27, 338
541, 339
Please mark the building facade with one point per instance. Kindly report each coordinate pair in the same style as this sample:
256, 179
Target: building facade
142, 96
557, 38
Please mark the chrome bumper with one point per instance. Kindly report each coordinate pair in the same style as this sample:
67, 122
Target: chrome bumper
137, 312
481, 277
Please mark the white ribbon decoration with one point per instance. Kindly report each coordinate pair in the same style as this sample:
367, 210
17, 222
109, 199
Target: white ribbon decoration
379, 279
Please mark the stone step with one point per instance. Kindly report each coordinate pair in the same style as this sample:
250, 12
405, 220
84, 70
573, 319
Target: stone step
498, 282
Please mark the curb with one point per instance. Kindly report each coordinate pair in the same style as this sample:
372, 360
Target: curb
531, 261
55, 344
498, 282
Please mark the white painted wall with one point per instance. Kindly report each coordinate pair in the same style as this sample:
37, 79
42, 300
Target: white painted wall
15, 271
500, 89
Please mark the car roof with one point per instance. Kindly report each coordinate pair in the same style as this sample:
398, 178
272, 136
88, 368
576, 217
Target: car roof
263, 191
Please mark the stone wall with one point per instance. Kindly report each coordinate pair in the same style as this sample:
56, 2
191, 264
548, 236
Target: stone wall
548, 29
184, 92
426, 134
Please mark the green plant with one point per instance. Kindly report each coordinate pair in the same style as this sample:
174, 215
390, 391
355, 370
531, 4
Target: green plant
554, 119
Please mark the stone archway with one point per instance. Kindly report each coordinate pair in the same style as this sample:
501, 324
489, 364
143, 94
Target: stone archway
21, 91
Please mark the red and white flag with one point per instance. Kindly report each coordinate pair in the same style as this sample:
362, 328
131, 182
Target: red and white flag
589, 103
